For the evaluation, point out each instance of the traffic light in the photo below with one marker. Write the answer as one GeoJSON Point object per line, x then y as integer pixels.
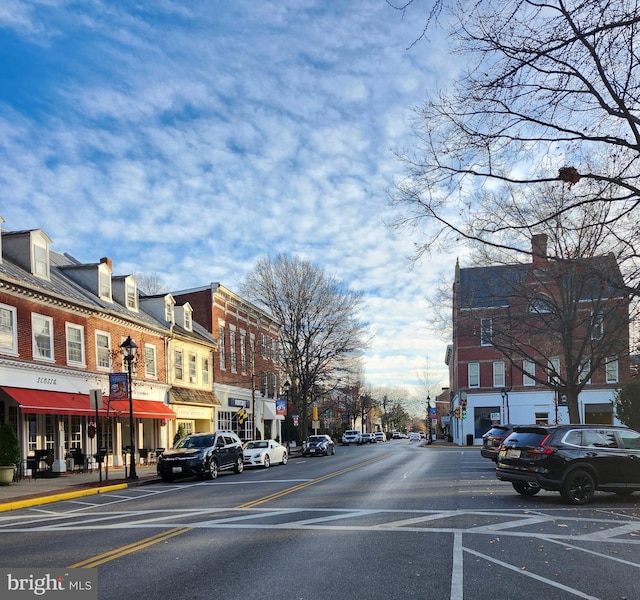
{"type": "Point", "coordinates": [457, 412]}
{"type": "Point", "coordinates": [463, 407]}
{"type": "Point", "coordinates": [315, 413]}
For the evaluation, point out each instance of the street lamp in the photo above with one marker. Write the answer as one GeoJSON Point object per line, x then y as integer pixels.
{"type": "Point", "coordinates": [129, 353]}
{"type": "Point", "coordinates": [287, 388]}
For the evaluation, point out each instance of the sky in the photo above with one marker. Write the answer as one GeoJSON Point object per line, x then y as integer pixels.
{"type": "Point", "coordinates": [189, 138]}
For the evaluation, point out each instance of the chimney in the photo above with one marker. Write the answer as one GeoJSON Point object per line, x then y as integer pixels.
{"type": "Point", "coordinates": [108, 262]}
{"type": "Point", "coordinates": [539, 249]}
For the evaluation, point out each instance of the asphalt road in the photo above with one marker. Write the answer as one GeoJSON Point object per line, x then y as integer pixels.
{"type": "Point", "coordinates": [384, 521]}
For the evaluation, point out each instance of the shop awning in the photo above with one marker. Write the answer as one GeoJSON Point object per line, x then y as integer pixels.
{"type": "Point", "coordinates": [51, 403]}
{"type": "Point", "coordinates": [182, 395]}
{"type": "Point", "coordinates": [142, 409]}
{"type": "Point", "coordinates": [63, 403]}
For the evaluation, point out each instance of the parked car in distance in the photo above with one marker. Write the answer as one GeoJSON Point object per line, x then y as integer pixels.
{"type": "Point", "coordinates": [398, 436]}
{"type": "Point", "coordinates": [318, 445]}
{"type": "Point", "coordinates": [575, 460]}
{"type": "Point", "coordinates": [380, 436]}
{"type": "Point", "coordinates": [368, 438]}
{"type": "Point", "coordinates": [264, 453]}
{"type": "Point", "coordinates": [351, 436]}
{"type": "Point", "coordinates": [202, 455]}
{"type": "Point", "coordinates": [414, 436]}
{"type": "Point", "coordinates": [492, 440]}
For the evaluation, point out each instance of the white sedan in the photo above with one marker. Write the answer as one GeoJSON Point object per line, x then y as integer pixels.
{"type": "Point", "coordinates": [264, 453]}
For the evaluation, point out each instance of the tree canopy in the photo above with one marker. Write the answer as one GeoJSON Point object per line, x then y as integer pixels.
{"type": "Point", "coordinates": [321, 328]}
{"type": "Point", "coordinates": [548, 96]}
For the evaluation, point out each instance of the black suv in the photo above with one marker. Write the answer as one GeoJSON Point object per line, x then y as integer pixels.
{"type": "Point", "coordinates": [575, 460]}
{"type": "Point", "coordinates": [492, 440]}
{"type": "Point", "coordinates": [202, 455]}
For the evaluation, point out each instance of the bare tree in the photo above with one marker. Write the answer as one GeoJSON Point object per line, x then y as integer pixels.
{"type": "Point", "coordinates": [150, 283]}
{"type": "Point", "coordinates": [549, 95]}
{"type": "Point", "coordinates": [321, 331]}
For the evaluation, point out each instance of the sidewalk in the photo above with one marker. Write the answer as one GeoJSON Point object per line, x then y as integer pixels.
{"type": "Point", "coordinates": [33, 492]}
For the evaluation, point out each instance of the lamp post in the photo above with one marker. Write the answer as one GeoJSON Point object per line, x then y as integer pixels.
{"type": "Point", "coordinates": [428, 419]}
{"type": "Point", "coordinates": [287, 388]}
{"type": "Point", "coordinates": [129, 353]}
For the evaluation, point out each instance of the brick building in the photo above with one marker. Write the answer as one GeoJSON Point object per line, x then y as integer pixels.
{"type": "Point", "coordinates": [528, 336]}
{"type": "Point", "coordinates": [246, 364]}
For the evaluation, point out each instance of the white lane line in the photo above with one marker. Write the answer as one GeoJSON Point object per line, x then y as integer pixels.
{"type": "Point", "coordinates": [457, 572]}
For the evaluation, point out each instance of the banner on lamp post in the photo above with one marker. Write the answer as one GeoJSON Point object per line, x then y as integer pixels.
{"type": "Point", "coordinates": [118, 386]}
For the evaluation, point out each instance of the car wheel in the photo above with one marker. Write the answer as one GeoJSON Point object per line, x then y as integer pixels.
{"type": "Point", "coordinates": [525, 489]}
{"type": "Point", "coordinates": [578, 487]}
{"type": "Point", "coordinates": [212, 471]}
{"type": "Point", "coordinates": [266, 462]}
{"type": "Point", "coordinates": [285, 458]}
{"type": "Point", "coordinates": [239, 465]}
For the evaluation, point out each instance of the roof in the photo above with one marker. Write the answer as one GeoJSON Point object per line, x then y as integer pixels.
{"type": "Point", "coordinates": [493, 286]}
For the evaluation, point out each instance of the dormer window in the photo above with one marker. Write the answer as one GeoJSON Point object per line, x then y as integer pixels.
{"type": "Point", "coordinates": [168, 311]}
{"type": "Point", "coordinates": [131, 291]}
{"type": "Point", "coordinates": [104, 282]}
{"type": "Point", "coordinates": [40, 254]}
{"type": "Point", "coordinates": [188, 322]}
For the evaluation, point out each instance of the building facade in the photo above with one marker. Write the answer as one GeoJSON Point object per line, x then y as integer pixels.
{"type": "Point", "coordinates": [246, 363]}
{"type": "Point", "coordinates": [526, 336]}
{"type": "Point", "coordinates": [61, 326]}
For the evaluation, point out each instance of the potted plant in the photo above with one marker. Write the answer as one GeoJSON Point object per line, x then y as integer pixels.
{"type": "Point", "coordinates": [9, 453]}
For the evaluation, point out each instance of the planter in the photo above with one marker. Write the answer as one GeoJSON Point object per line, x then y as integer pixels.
{"type": "Point", "coordinates": [6, 474]}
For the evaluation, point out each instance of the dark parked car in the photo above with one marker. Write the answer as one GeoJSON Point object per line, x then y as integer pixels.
{"type": "Point", "coordinates": [492, 440]}
{"type": "Point", "coordinates": [575, 460]}
{"type": "Point", "coordinates": [202, 455]}
{"type": "Point", "coordinates": [318, 445]}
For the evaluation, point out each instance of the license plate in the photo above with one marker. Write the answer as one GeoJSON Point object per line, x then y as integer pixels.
{"type": "Point", "coordinates": [176, 469]}
{"type": "Point", "coordinates": [312, 450]}
{"type": "Point", "coordinates": [514, 453]}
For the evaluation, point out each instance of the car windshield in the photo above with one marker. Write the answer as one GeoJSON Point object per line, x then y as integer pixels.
{"type": "Point", "coordinates": [195, 442]}
{"type": "Point", "coordinates": [256, 445]}
{"type": "Point", "coordinates": [317, 438]}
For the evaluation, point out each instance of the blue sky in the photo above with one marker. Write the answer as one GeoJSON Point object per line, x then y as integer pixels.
{"type": "Point", "coordinates": [191, 137]}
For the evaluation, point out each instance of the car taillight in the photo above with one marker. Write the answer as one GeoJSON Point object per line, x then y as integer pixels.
{"type": "Point", "coordinates": [543, 448]}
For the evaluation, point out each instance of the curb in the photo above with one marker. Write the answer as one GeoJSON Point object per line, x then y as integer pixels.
{"type": "Point", "coordinates": [58, 496]}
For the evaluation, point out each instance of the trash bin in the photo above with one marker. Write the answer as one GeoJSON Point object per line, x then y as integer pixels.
{"type": "Point", "coordinates": [469, 439]}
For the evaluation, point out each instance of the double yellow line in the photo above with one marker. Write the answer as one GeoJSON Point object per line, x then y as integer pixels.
{"type": "Point", "coordinates": [101, 559]}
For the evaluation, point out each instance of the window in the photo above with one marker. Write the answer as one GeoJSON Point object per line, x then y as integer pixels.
{"type": "Point", "coordinates": [274, 350]}
{"type": "Point", "coordinates": [75, 344]}
{"type": "Point", "coordinates": [8, 329]}
{"type": "Point", "coordinates": [474, 375]}
{"type": "Point", "coordinates": [486, 332]}
{"type": "Point", "coordinates": [177, 364]}
{"type": "Point", "coordinates": [612, 370]}
{"type": "Point", "coordinates": [42, 328]}
{"type": "Point", "coordinates": [193, 369]}
{"type": "Point", "coordinates": [265, 346]}
{"type": "Point", "coordinates": [498, 374]}
{"type": "Point", "coordinates": [103, 352]}
{"type": "Point", "coordinates": [41, 261]}
{"type": "Point", "coordinates": [132, 295]}
{"type": "Point", "coordinates": [243, 352]}
{"type": "Point", "coordinates": [553, 369]}
{"type": "Point", "coordinates": [542, 418]}
{"type": "Point", "coordinates": [528, 371]}
{"type": "Point", "coordinates": [583, 372]}
{"type": "Point", "coordinates": [150, 362]}
{"type": "Point", "coordinates": [188, 320]}
{"type": "Point", "coordinates": [205, 371]}
{"type": "Point", "coordinates": [540, 305]}
{"type": "Point", "coordinates": [232, 350]}
{"type": "Point", "coordinates": [597, 325]}
{"type": "Point", "coordinates": [168, 311]}
{"type": "Point", "coordinates": [104, 283]}
{"type": "Point", "coordinates": [221, 347]}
